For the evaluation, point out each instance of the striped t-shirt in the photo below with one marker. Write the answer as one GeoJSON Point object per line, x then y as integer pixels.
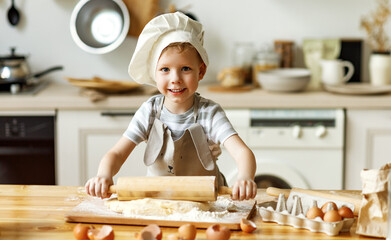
{"type": "Point", "coordinates": [211, 117]}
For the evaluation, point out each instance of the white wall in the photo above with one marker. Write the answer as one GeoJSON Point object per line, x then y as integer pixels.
{"type": "Point", "coordinates": [44, 34]}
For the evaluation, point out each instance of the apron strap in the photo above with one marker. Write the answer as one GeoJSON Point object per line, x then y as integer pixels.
{"type": "Point", "coordinates": [160, 108]}
{"type": "Point", "coordinates": [195, 107]}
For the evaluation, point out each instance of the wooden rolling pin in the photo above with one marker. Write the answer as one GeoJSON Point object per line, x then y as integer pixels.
{"type": "Point", "coordinates": [190, 188]}
{"type": "Point", "coordinates": [351, 196]}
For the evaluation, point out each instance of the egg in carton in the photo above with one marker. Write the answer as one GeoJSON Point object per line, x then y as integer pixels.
{"type": "Point", "coordinates": [291, 212]}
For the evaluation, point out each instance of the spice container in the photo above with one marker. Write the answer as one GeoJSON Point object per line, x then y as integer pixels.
{"type": "Point", "coordinates": [264, 60]}
{"type": "Point", "coordinates": [285, 49]}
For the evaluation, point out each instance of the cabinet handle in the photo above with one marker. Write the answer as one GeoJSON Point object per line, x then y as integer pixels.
{"type": "Point", "coordinates": [117, 114]}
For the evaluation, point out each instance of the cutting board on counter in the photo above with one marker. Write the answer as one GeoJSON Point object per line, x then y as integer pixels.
{"type": "Point", "coordinates": [93, 210]}
{"type": "Point", "coordinates": [141, 12]}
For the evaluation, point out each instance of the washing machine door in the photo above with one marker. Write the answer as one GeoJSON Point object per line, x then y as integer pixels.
{"type": "Point", "coordinates": [274, 175]}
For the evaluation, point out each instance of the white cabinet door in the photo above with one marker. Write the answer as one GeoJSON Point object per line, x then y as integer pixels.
{"type": "Point", "coordinates": [368, 143]}
{"type": "Point", "coordinates": [83, 137]}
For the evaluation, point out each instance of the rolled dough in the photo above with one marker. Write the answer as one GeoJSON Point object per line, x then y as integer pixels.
{"type": "Point", "coordinates": [154, 207]}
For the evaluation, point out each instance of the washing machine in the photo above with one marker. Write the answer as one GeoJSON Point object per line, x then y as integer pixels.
{"type": "Point", "coordinates": [301, 148]}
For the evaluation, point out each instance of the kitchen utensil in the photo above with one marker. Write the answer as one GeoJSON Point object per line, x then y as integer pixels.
{"type": "Point", "coordinates": [193, 188]}
{"type": "Point", "coordinates": [141, 12]}
{"type": "Point", "coordinates": [357, 89]}
{"type": "Point", "coordinates": [93, 210]}
{"type": "Point", "coordinates": [14, 69]}
{"type": "Point", "coordinates": [284, 79]}
{"type": "Point", "coordinates": [100, 84]}
{"type": "Point", "coordinates": [13, 14]}
{"type": "Point", "coordinates": [333, 71]}
{"type": "Point", "coordinates": [221, 89]}
{"type": "Point", "coordinates": [99, 26]}
{"type": "Point", "coordinates": [353, 197]}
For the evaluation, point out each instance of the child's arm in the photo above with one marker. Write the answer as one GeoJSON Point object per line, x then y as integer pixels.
{"type": "Point", "coordinates": [109, 166]}
{"type": "Point", "coordinates": [244, 187]}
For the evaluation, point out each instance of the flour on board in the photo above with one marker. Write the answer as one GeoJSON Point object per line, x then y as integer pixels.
{"type": "Point", "coordinates": [222, 209]}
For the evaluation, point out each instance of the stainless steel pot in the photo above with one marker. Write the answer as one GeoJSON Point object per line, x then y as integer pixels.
{"type": "Point", "coordinates": [15, 69]}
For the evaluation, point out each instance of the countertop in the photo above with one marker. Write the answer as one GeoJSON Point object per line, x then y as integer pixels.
{"type": "Point", "coordinates": [37, 212]}
{"type": "Point", "coordinates": [61, 96]}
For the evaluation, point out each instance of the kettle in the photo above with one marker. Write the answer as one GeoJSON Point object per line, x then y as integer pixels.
{"type": "Point", "coordinates": [15, 69]}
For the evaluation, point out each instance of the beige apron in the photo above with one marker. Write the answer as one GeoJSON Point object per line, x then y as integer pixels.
{"type": "Point", "coordinates": [187, 156]}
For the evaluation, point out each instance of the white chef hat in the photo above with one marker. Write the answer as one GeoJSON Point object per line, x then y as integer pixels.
{"type": "Point", "coordinates": [157, 35]}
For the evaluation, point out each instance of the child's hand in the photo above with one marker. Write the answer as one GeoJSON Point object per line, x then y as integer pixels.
{"type": "Point", "coordinates": [244, 189]}
{"type": "Point", "coordinates": [99, 187]}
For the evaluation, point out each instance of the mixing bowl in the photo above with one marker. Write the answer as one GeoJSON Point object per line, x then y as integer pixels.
{"type": "Point", "coordinates": [284, 79]}
{"type": "Point", "coordinates": [99, 26]}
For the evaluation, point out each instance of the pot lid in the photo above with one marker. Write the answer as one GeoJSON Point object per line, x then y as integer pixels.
{"type": "Point", "coordinates": [13, 56]}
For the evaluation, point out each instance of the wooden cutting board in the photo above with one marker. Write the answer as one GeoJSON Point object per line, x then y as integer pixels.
{"type": "Point", "coordinates": [221, 89]}
{"type": "Point", "coordinates": [141, 12]}
{"type": "Point", "coordinates": [93, 210]}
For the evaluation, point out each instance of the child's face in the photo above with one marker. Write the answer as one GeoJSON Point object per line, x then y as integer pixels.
{"type": "Point", "coordinates": [177, 75]}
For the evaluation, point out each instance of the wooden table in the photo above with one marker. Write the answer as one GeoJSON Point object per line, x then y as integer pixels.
{"type": "Point", "coordinates": [37, 212]}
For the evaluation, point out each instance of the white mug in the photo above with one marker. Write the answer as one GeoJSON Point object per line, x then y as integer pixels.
{"type": "Point", "coordinates": [333, 71]}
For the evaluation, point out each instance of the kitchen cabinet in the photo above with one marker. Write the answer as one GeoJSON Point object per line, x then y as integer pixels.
{"type": "Point", "coordinates": [83, 137]}
{"type": "Point", "coordinates": [368, 138]}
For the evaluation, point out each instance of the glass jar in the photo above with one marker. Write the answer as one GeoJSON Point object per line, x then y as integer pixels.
{"type": "Point", "coordinates": [264, 60]}
{"type": "Point", "coordinates": [243, 55]}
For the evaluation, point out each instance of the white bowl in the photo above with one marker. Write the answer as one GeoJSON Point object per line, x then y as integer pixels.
{"type": "Point", "coordinates": [284, 79]}
{"type": "Point", "coordinates": [99, 26]}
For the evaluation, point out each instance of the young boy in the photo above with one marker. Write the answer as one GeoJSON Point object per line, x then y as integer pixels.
{"type": "Point", "coordinates": [180, 127]}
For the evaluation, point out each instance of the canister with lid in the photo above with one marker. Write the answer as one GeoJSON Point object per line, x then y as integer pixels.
{"type": "Point", "coordinates": [285, 49]}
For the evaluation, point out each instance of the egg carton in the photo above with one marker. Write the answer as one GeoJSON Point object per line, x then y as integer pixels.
{"type": "Point", "coordinates": [294, 216]}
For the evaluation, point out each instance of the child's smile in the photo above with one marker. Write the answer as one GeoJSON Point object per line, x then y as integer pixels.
{"type": "Point", "coordinates": [177, 76]}
{"type": "Point", "coordinates": [177, 91]}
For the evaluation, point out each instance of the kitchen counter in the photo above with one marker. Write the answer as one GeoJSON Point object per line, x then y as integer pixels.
{"type": "Point", "coordinates": [37, 212]}
{"type": "Point", "coordinates": [57, 96]}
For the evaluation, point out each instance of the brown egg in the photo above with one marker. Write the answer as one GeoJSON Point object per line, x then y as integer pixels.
{"type": "Point", "coordinates": [217, 232]}
{"type": "Point", "coordinates": [247, 226]}
{"type": "Point", "coordinates": [324, 207]}
{"type": "Point", "coordinates": [314, 212]}
{"type": "Point", "coordinates": [187, 232]}
{"type": "Point", "coordinates": [104, 233]}
{"type": "Point", "coordinates": [332, 216]}
{"type": "Point", "coordinates": [144, 235]}
{"type": "Point", "coordinates": [80, 231]}
{"type": "Point", "coordinates": [345, 212]}
{"type": "Point", "coordinates": [152, 231]}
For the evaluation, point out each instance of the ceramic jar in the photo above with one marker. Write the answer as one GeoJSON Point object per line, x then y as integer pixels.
{"type": "Point", "coordinates": [380, 69]}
